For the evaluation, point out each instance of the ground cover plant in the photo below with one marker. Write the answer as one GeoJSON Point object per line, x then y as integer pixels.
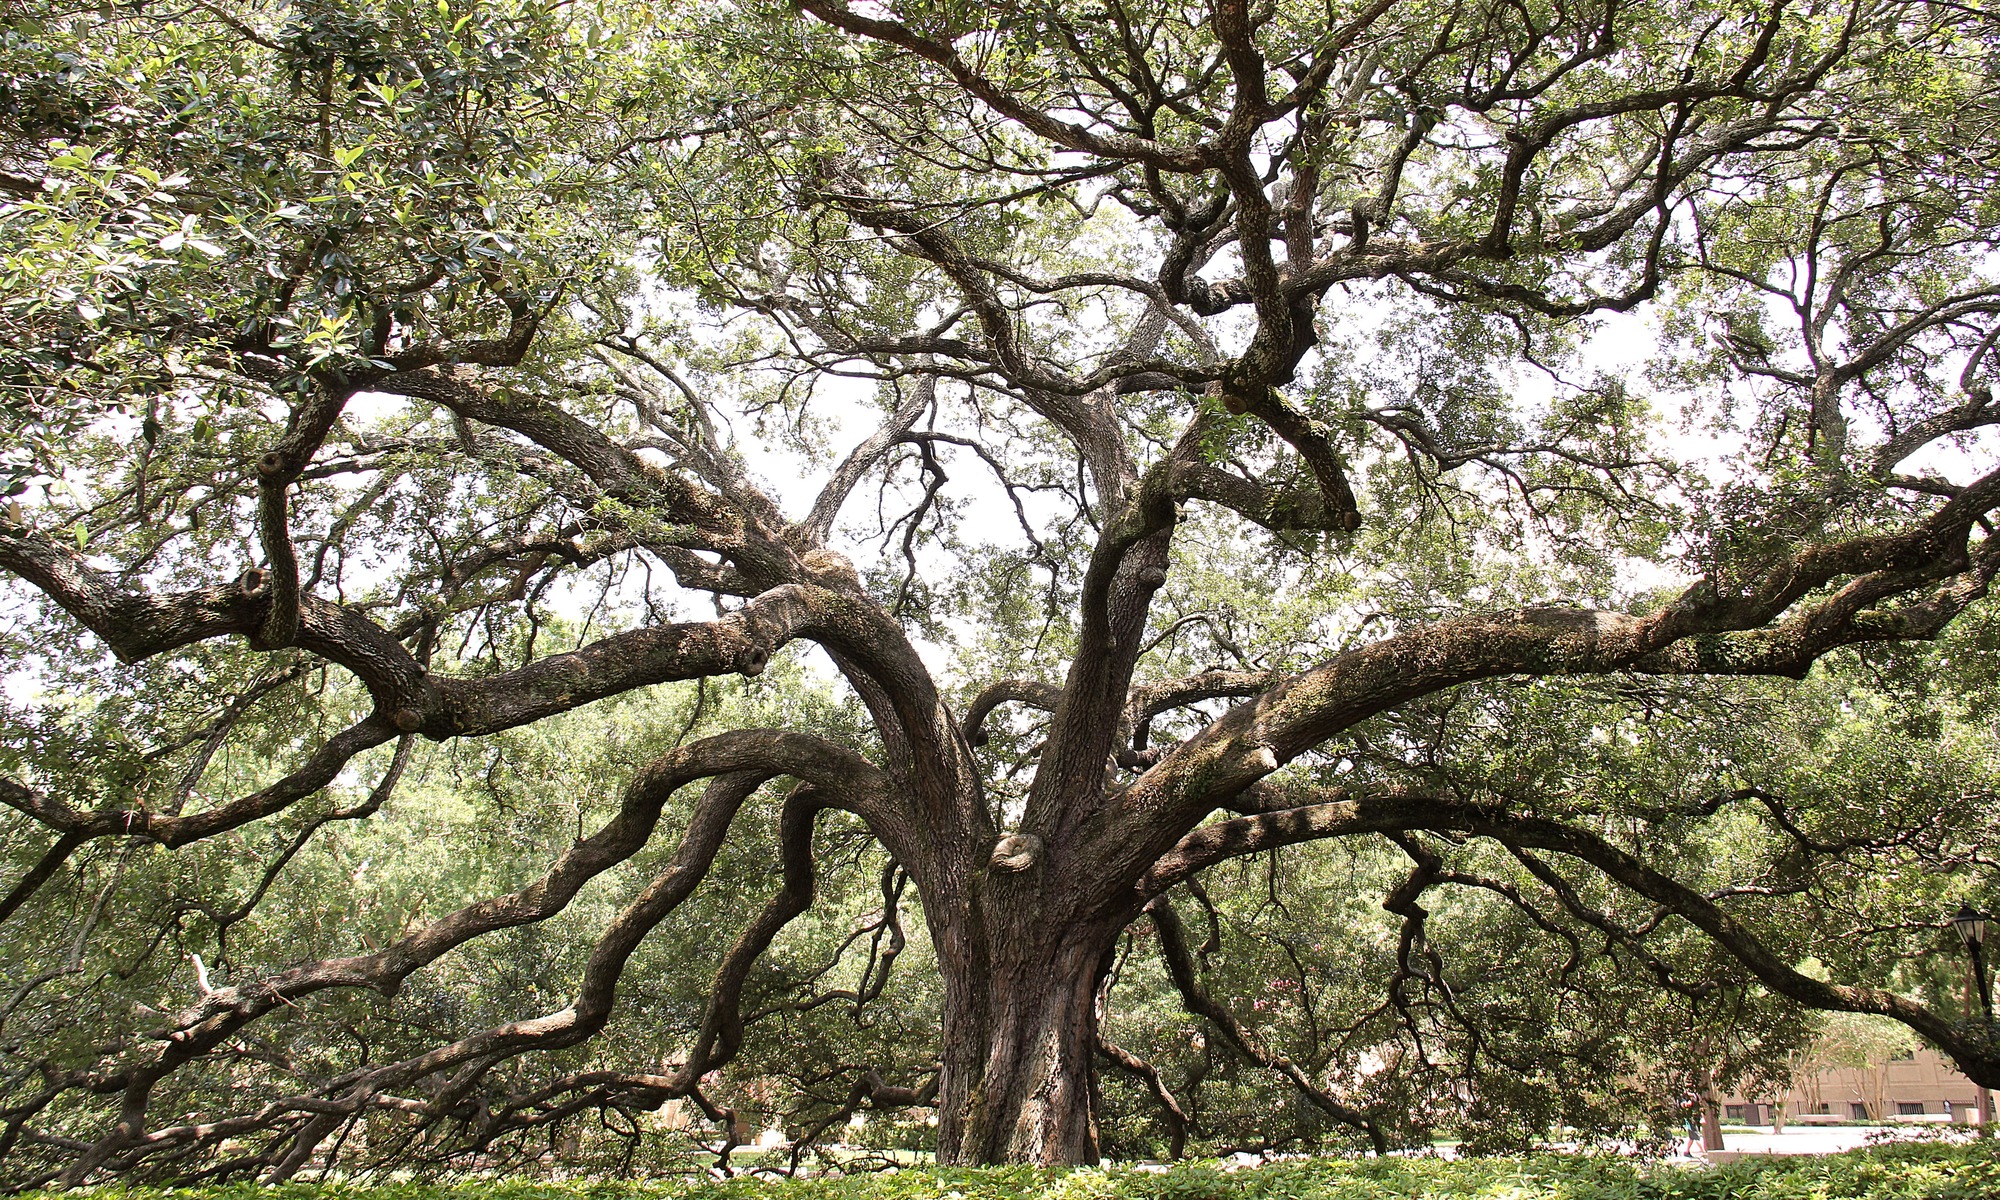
{"type": "Point", "coordinates": [1012, 580]}
{"type": "Point", "coordinates": [1933, 1171]}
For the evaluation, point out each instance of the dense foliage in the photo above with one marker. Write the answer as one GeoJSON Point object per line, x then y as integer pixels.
{"type": "Point", "coordinates": [582, 579]}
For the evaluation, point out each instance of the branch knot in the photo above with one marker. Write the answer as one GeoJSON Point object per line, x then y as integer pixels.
{"type": "Point", "coordinates": [1016, 852]}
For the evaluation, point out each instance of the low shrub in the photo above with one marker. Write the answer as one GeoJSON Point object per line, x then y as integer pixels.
{"type": "Point", "coordinates": [1910, 1171]}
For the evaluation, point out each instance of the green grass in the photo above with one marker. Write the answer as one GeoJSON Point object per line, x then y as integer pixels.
{"type": "Point", "coordinates": [1910, 1171]}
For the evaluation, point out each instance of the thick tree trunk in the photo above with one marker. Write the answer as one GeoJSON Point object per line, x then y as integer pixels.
{"type": "Point", "coordinates": [1019, 1037]}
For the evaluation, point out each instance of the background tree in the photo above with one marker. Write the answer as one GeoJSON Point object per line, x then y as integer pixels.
{"type": "Point", "coordinates": [392, 376]}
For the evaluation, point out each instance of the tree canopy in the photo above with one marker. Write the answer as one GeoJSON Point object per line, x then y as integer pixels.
{"type": "Point", "coordinates": [1114, 574]}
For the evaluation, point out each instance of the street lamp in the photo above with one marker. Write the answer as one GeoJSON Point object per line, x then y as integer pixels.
{"type": "Point", "coordinates": [1971, 926]}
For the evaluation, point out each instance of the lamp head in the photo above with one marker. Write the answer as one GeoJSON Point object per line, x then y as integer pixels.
{"type": "Point", "coordinates": [1971, 925]}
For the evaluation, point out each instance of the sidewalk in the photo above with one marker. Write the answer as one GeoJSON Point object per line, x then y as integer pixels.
{"type": "Point", "coordinates": [1809, 1139]}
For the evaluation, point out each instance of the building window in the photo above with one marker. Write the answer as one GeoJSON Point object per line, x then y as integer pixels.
{"type": "Point", "coordinates": [1903, 1056]}
{"type": "Point", "coordinates": [1857, 1110]}
{"type": "Point", "coordinates": [1909, 1108]}
{"type": "Point", "coordinates": [1732, 1112]}
{"type": "Point", "coordinates": [1824, 1109]}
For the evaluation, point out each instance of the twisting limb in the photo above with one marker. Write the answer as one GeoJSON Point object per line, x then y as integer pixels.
{"type": "Point", "coordinates": [1333, 813]}
{"type": "Point", "coordinates": [886, 941]}
{"type": "Point", "coordinates": [1001, 99]}
{"type": "Point", "coordinates": [1197, 1000]}
{"type": "Point", "coordinates": [723, 1117]}
{"type": "Point", "coordinates": [1150, 700]}
{"type": "Point", "coordinates": [277, 469]}
{"type": "Point", "coordinates": [1706, 630]}
{"type": "Point", "coordinates": [741, 760]}
{"type": "Point", "coordinates": [45, 867]}
{"type": "Point", "coordinates": [720, 1034]}
{"type": "Point", "coordinates": [741, 642]}
{"type": "Point", "coordinates": [1273, 508]}
{"type": "Point", "coordinates": [1146, 1073]}
{"type": "Point", "coordinates": [136, 625]}
{"type": "Point", "coordinates": [320, 768]}
{"type": "Point", "coordinates": [869, 1090]}
{"type": "Point", "coordinates": [1032, 692]}
{"type": "Point", "coordinates": [865, 642]}
{"type": "Point", "coordinates": [1413, 947]}
{"type": "Point", "coordinates": [818, 524]}
{"type": "Point", "coordinates": [1445, 814]}
{"type": "Point", "coordinates": [369, 805]}
{"type": "Point", "coordinates": [1631, 940]}
{"type": "Point", "coordinates": [1314, 444]}
{"type": "Point", "coordinates": [415, 700]}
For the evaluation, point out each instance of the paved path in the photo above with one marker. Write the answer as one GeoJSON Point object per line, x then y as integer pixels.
{"type": "Point", "coordinates": [1809, 1139]}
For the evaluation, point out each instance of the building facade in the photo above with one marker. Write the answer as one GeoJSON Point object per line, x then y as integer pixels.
{"type": "Point", "coordinates": [1916, 1086]}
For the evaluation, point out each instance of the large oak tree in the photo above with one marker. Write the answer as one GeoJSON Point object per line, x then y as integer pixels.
{"type": "Point", "coordinates": [441, 361]}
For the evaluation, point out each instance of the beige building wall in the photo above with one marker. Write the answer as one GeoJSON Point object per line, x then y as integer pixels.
{"type": "Point", "coordinates": [1920, 1087]}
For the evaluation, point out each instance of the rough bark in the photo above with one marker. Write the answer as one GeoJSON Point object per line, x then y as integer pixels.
{"type": "Point", "coordinates": [1018, 1048]}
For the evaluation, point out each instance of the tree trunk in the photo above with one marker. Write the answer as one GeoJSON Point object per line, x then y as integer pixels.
{"type": "Point", "coordinates": [1708, 1107]}
{"type": "Point", "coordinates": [1019, 1038]}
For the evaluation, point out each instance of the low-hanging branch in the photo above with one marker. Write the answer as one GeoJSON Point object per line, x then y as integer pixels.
{"type": "Point", "coordinates": [1196, 998]}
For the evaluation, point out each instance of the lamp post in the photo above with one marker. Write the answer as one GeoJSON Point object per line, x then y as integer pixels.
{"type": "Point", "coordinates": [1971, 926]}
